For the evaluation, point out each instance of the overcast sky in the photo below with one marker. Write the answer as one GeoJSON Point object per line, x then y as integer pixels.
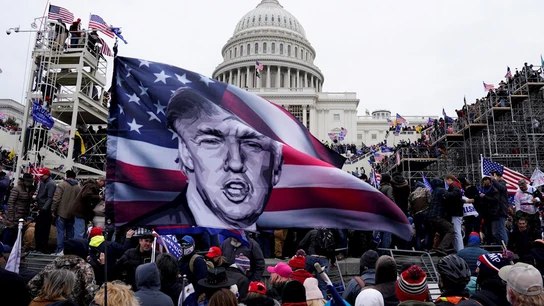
{"type": "Point", "coordinates": [411, 57]}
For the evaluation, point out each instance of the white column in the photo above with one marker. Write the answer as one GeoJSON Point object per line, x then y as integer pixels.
{"type": "Point", "coordinates": [304, 117]}
{"type": "Point", "coordinates": [297, 83]}
{"type": "Point", "coordinates": [278, 77]}
{"type": "Point", "coordinates": [230, 76]}
{"type": "Point", "coordinates": [305, 79]}
{"type": "Point", "coordinates": [313, 121]}
{"type": "Point", "coordinates": [288, 78]}
{"type": "Point", "coordinates": [267, 76]}
{"type": "Point", "coordinates": [238, 78]}
{"type": "Point", "coordinates": [248, 74]}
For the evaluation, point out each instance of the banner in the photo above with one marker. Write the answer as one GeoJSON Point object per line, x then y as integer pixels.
{"type": "Point", "coordinates": [41, 115]}
{"type": "Point", "coordinates": [186, 150]}
{"type": "Point", "coordinates": [469, 210]}
{"type": "Point", "coordinates": [537, 179]}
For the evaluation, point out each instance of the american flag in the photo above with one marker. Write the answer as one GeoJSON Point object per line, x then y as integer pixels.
{"type": "Point", "coordinates": [170, 242]}
{"type": "Point", "coordinates": [447, 118]}
{"type": "Point", "coordinates": [57, 12]}
{"type": "Point", "coordinates": [488, 87]}
{"type": "Point", "coordinates": [312, 190]}
{"type": "Point", "coordinates": [375, 178]}
{"type": "Point", "coordinates": [104, 49]}
{"type": "Point", "coordinates": [399, 120]}
{"type": "Point", "coordinates": [96, 22]}
{"type": "Point", "coordinates": [510, 176]}
{"type": "Point", "coordinates": [508, 73]}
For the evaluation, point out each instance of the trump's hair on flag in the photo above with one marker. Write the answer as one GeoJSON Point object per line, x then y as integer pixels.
{"type": "Point", "coordinates": [143, 175]}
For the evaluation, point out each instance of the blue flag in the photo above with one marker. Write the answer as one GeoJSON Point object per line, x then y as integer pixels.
{"type": "Point", "coordinates": [41, 115]}
{"type": "Point", "coordinates": [426, 182]}
{"type": "Point", "coordinates": [117, 32]}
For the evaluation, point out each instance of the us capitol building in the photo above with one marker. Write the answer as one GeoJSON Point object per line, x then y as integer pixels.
{"type": "Point", "coordinates": [272, 36]}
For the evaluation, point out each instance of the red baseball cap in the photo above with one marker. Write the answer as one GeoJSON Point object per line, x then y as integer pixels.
{"type": "Point", "coordinates": [257, 287]}
{"type": "Point", "coordinates": [214, 252]}
{"type": "Point", "coordinates": [44, 171]}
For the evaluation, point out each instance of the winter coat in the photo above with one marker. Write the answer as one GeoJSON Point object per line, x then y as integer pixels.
{"type": "Point", "coordinates": [491, 203]}
{"type": "Point", "coordinates": [470, 254]}
{"type": "Point", "coordinates": [504, 204]}
{"type": "Point", "coordinates": [437, 209]}
{"type": "Point", "coordinates": [353, 288]}
{"type": "Point", "coordinates": [13, 289]}
{"type": "Point", "coordinates": [388, 292]}
{"type": "Point", "coordinates": [86, 200]}
{"type": "Point", "coordinates": [19, 203]}
{"type": "Point", "coordinates": [386, 189]}
{"type": "Point", "coordinates": [85, 285]}
{"type": "Point", "coordinates": [492, 293]}
{"type": "Point", "coordinates": [401, 192]}
{"type": "Point", "coordinates": [4, 186]}
{"type": "Point", "coordinates": [242, 282]}
{"type": "Point", "coordinates": [453, 202]}
{"type": "Point", "coordinates": [419, 200]}
{"type": "Point", "coordinates": [64, 198]}
{"type": "Point", "coordinates": [198, 271]}
{"type": "Point", "coordinates": [46, 190]}
{"type": "Point", "coordinates": [128, 263]}
{"type": "Point", "coordinates": [252, 251]}
{"type": "Point", "coordinates": [148, 282]}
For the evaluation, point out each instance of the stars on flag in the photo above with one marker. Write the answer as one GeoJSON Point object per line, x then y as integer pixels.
{"type": "Point", "coordinates": [143, 90]}
{"type": "Point", "coordinates": [206, 80]}
{"type": "Point", "coordinates": [183, 79]}
{"type": "Point", "coordinates": [161, 77]}
{"type": "Point", "coordinates": [144, 63]}
{"type": "Point", "coordinates": [133, 98]}
{"type": "Point", "coordinates": [160, 107]}
{"type": "Point", "coordinates": [134, 126]}
{"type": "Point", "coordinates": [152, 117]}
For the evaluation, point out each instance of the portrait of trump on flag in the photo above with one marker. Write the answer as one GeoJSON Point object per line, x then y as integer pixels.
{"type": "Point", "coordinates": [186, 150]}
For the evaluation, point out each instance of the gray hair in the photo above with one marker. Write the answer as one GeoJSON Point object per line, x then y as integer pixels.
{"type": "Point", "coordinates": [58, 284]}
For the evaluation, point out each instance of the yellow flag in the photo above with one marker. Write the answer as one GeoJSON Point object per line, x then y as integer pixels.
{"type": "Point", "coordinates": [11, 154]}
{"type": "Point", "coordinates": [82, 143]}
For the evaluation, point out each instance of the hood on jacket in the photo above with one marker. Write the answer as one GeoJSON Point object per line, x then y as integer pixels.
{"type": "Point", "coordinates": [72, 181]}
{"type": "Point", "coordinates": [77, 247]}
{"type": "Point", "coordinates": [148, 277]}
{"type": "Point", "coordinates": [399, 180]}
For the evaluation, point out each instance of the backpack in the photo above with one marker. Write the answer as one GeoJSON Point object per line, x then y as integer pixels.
{"type": "Point", "coordinates": [325, 240]}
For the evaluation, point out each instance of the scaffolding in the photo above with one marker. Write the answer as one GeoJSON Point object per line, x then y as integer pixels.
{"type": "Point", "coordinates": [505, 127]}
{"type": "Point", "coordinates": [67, 79]}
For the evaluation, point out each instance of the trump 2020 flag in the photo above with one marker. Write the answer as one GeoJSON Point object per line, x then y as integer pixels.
{"type": "Point", "coordinates": [186, 150]}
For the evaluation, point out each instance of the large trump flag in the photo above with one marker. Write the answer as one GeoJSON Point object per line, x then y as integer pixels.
{"type": "Point", "coordinates": [143, 170]}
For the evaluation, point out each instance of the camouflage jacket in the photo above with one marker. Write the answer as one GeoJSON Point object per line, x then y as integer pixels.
{"type": "Point", "coordinates": [85, 286]}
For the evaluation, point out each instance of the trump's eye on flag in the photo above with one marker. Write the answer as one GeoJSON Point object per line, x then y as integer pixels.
{"type": "Point", "coordinates": [143, 168]}
{"type": "Point", "coordinates": [511, 177]}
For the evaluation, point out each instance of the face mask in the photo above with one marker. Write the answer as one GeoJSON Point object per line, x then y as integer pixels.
{"type": "Point", "coordinates": [235, 243]}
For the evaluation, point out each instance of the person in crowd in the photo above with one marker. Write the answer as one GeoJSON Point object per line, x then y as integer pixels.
{"type": "Point", "coordinates": [537, 254]}
{"type": "Point", "coordinates": [298, 265]}
{"type": "Point", "coordinates": [171, 284]}
{"type": "Point", "coordinates": [238, 271]}
{"type": "Point", "coordinates": [19, 202]}
{"type": "Point", "coordinates": [133, 257]}
{"type": "Point", "coordinates": [293, 294]}
{"type": "Point", "coordinates": [215, 257]}
{"type": "Point", "coordinates": [418, 204]}
{"type": "Point", "coordinates": [523, 285]}
{"type": "Point", "coordinates": [98, 255]}
{"type": "Point", "coordinates": [118, 294]}
{"type": "Point", "coordinates": [148, 283]}
{"type": "Point", "coordinates": [520, 241]}
{"type": "Point", "coordinates": [257, 295]}
{"type": "Point", "coordinates": [385, 186]}
{"type": "Point", "coordinates": [527, 200]}
{"type": "Point", "coordinates": [230, 182]}
{"type": "Point", "coordinates": [279, 276]}
{"type": "Point", "coordinates": [367, 270]}
{"type": "Point", "coordinates": [44, 200]}
{"type": "Point", "coordinates": [454, 203]}
{"type": "Point", "coordinates": [319, 244]}
{"type": "Point", "coordinates": [454, 275]}
{"type": "Point", "coordinates": [56, 290]}
{"type": "Point", "coordinates": [86, 200]}
{"type": "Point", "coordinates": [215, 280]}
{"type": "Point", "coordinates": [13, 289]}
{"type": "Point", "coordinates": [75, 252]}
{"type": "Point", "coordinates": [223, 297]}
{"type": "Point", "coordinates": [492, 291]}
{"type": "Point", "coordinates": [314, 296]}
{"type": "Point", "coordinates": [232, 248]}
{"type": "Point", "coordinates": [192, 264]}
{"type": "Point", "coordinates": [75, 33]}
{"type": "Point", "coordinates": [438, 217]}
{"type": "Point", "coordinates": [64, 197]}
{"type": "Point", "coordinates": [369, 297]}
{"type": "Point", "coordinates": [498, 221]}
{"type": "Point", "coordinates": [471, 223]}
{"type": "Point", "coordinates": [472, 252]}
{"type": "Point", "coordinates": [4, 186]}
{"type": "Point", "coordinates": [401, 191]}
{"type": "Point", "coordinates": [411, 287]}
{"type": "Point", "coordinates": [386, 276]}
{"type": "Point", "coordinates": [279, 240]}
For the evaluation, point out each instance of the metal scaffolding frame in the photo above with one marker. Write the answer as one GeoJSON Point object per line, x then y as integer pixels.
{"type": "Point", "coordinates": [505, 126]}
{"type": "Point", "coordinates": [69, 81]}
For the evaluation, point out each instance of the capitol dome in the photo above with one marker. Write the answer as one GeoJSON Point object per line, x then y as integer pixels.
{"type": "Point", "coordinates": [271, 36]}
{"type": "Point", "coordinates": [269, 13]}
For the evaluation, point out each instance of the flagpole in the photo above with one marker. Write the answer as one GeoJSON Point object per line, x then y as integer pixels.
{"type": "Point", "coordinates": [14, 259]}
